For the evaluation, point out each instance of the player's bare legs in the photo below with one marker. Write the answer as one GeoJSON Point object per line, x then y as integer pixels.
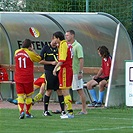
{"type": "Point", "coordinates": [83, 100]}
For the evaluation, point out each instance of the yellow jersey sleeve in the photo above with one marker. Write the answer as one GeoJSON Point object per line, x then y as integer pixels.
{"type": "Point", "coordinates": [33, 56]}
{"type": "Point", "coordinates": [62, 51]}
{"type": "Point", "coordinates": [42, 76]}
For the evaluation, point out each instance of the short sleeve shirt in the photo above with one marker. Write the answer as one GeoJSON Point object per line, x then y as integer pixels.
{"type": "Point", "coordinates": [49, 53]}
{"type": "Point", "coordinates": [77, 53]}
{"type": "Point", "coordinates": [106, 65]}
{"type": "Point", "coordinates": [24, 59]}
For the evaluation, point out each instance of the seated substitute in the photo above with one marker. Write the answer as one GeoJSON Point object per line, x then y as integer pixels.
{"type": "Point", "coordinates": [101, 78]}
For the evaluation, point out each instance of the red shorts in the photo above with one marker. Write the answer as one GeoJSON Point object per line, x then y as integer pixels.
{"type": "Point", "coordinates": [65, 78]}
{"type": "Point", "coordinates": [24, 88]}
{"type": "Point", "coordinates": [39, 81]}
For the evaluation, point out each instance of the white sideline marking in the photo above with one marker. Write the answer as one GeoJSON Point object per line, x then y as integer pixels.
{"type": "Point", "coordinates": [121, 118]}
{"type": "Point", "coordinates": [96, 129]}
{"type": "Point", "coordinates": [116, 118]}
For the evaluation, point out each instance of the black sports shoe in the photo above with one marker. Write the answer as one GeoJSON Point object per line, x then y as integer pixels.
{"type": "Point", "coordinates": [92, 104]}
{"type": "Point", "coordinates": [14, 101]}
{"type": "Point", "coordinates": [63, 112]}
{"type": "Point", "coordinates": [99, 104]}
{"type": "Point", "coordinates": [29, 116]}
{"type": "Point", "coordinates": [21, 115]}
{"type": "Point", "coordinates": [46, 113]}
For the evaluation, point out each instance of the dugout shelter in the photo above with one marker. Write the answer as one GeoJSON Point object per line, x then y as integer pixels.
{"type": "Point", "coordinates": [92, 30]}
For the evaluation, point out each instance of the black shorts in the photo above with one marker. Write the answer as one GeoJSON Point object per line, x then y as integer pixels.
{"type": "Point", "coordinates": [52, 81]}
{"type": "Point", "coordinates": [100, 79]}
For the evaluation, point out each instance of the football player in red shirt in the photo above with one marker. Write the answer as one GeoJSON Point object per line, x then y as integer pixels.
{"type": "Point", "coordinates": [101, 78]}
{"type": "Point", "coordinates": [66, 73]}
{"type": "Point", "coordinates": [24, 77]}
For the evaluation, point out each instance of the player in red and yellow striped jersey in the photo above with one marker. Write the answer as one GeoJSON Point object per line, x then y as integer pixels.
{"type": "Point", "coordinates": [65, 74]}
{"type": "Point", "coordinates": [24, 77]}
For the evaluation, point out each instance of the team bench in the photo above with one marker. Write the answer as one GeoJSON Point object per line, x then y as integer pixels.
{"type": "Point", "coordinates": [40, 69]}
{"type": "Point", "coordinates": [86, 70]}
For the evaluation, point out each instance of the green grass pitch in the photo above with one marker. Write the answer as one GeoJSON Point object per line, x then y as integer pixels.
{"type": "Point", "coordinates": [105, 120]}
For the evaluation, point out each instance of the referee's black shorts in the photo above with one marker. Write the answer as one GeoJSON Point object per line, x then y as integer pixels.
{"type": "Point", "coordinates": [52, 81]}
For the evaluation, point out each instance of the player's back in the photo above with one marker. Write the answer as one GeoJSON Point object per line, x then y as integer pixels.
{"type": "Point", "coordinates": [23, 66]}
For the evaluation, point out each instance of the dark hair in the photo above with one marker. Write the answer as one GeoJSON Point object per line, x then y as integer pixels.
{"type": "Point", "coordinates": [26, 43]}
{"type": "Point", "coordinates": [71, 32]}
{"type": "Point", "coordinates": [103, 50]}
{"type": "Point", "coordinates": [59, 35]}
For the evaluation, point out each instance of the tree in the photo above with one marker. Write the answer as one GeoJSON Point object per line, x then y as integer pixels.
{"type": "Point", "coordinates": [12, 5]}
